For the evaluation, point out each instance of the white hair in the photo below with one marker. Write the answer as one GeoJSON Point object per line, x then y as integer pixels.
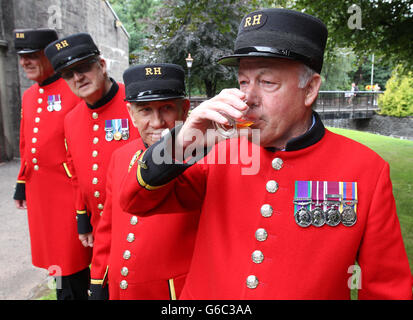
{"type": "Point", "coordinates": [305, 75]}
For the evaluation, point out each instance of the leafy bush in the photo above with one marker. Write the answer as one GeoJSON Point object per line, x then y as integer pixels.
{"type": "Point", "coordinates": [397, 100]}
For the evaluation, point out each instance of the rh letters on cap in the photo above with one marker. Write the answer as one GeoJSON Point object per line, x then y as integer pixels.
{"type": "Point", "coordinates": [61, 45]}
{"type": "Point", "coordinates": [19, 35]}
{"type": "Point", "coordinates": [153, 71]}
{"type": "Point", "coordinates": [255, 21]}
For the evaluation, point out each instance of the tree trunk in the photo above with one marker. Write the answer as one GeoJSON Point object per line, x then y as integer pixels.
{"type": "Point", "coordinates": [210, 88]}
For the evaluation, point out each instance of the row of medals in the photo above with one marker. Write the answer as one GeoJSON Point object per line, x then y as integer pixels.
{"type": "Point", "coordinates": [124, 135]}
{"type": "Point", "coordinates": [54, 107]}
{"type": "Point", "coordinates": [332, 216]}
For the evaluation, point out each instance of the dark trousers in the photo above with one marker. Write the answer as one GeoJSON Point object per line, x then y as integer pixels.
{"type": "Point", "coordinates": [74, 286]}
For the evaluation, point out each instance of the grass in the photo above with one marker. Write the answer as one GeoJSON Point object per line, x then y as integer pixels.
{"type": "Point", "coordinates": [50, 296]}
{"type": "Point", "coordinates": [399, 154]}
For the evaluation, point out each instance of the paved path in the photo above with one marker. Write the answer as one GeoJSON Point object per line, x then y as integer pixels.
{"type": "Point", "coordinates": [19, 280]}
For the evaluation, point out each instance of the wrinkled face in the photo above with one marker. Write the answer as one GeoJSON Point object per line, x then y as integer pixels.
{"type": "Point", "coordinates": [36, 66]}
{"type": "Point", "coordinates": [279, 108]}
{"type": "Point", "coordinates": [87, 79]}
{"type": "Point", "coordinates": [152, 117]}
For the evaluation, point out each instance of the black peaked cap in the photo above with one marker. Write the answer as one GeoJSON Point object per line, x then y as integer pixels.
{"type": "Point", "coordinates": [32, 40]}
{"type": "Point", "coordinates": [150, 82]}
{"type": "Point", "coordinates": [280, 33]}
{"type": "Point", "coordinates": [67, 51]}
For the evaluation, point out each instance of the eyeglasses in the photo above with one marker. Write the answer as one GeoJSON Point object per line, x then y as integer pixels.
{"type": "Point", "coordinates": [68, 74]}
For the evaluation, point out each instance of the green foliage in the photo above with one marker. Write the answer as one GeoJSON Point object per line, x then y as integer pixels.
{"type": "Point", "coordinates": [337, 65]}
{"type": "Point", "coordinates": [134, 15]}
{"type": "Point", "coordinates": [397, 100]}
{"type": "Point", "coordinates": [399, 154]}
{"type": "Point", "coordinates": [385, 27]}
{"type": "Point", "coordinates": [205, 28]}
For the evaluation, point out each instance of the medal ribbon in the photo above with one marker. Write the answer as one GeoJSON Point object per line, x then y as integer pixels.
{"type": "Point", "coordinates": [50, 100]}
{"type": "Point", "coordinates": [108, 125]}
{"type": "Point", "coordinates": [333, 188]}
{"type": "Point", "coordinates": [302, 191]}
{"type": "Point", "coordinates": [317, 192]}
{"type": "Point", "coordinates": [350, 194]}
{"type": "Point", "coordinates": [117, 124]}
{"type": "Point", "coordinates": [125, 124]}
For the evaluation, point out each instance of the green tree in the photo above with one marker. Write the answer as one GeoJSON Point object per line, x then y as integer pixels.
{"type": "Point", "coordinates": [385, 27]}
{"type": "Point", "coordinates": [134, 15]}
{"type": "Point", "coordinates": [397, 100]}
{"type": "Point", "coordinates": [205, 28]}
{"type": "Point", "coordinates": [336, 68]}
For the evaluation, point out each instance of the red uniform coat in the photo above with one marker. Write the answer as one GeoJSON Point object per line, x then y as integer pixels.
{"type": "Point", "coordinates": [293, 262]}
{"type": "Point", "coordinates": [89, 152]}
{"type": "Point", "coordinates": [149, 257]}
{"type": "Point", "coordinates": [50, 200]}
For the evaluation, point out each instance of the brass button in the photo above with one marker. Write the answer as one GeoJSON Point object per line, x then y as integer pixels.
{"type": "Point", "coordinates": [97, 194]}
{"type": "Point", "coordinates": [123, 285]}
{"type": "Point", "coordinates": [272, 186]}
{"type": "Point", "coordinates": [39, 110]}
{"type": "Point", "coordinates": [94, 154]}
{"type": "Point", "coordinates": [36, 167]}
{"type": "Point", "coordinates": [134, 220]}
{"type": "Point", "coordinates": [95, 180]}
{"type": "Point", "coordinates": [37, 120]}
{"type": "Point", "coordinates": [34, 160]}
{"type": "Point", "coordinates": [95, 127]}
{"type": "Point", "coordinates": [124, 271]}
{"type": "Point", "coordinates": [95, 140]}
{"type": "Point", "coordinates": [126, 255]}
{"type": "Point", "coordinates": [33, 150]}
{"type": "Point", "coordinates": [130, 237]}
{"type": "Point", "coordinates": [257, 256]}
{"type": "Point", "coordinates": [34, 140]}
{"type": "Point", "coordinates": [266, 210]}
{"type": "Point", "coordinates": [100, 206]}
{"type": "Point", "coordinates": [95, 115]}
{"type": "Point", "coordinates": [261, 234]}
{"type": "Point", "coordinates": [277, 163]}
{"type": "Point", "coordinates": [35, 130]}
{"type": "Point", "coordinates": [41, 90]}
{"type": "Point", "coordinates": [95, 167]}
{"type": "Point", "coordinates": [40, 100]}
{"type": "Point", "coordinates": [252, 282]}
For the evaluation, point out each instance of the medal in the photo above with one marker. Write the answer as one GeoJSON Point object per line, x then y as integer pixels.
{"type": "Point", "coordinates": [125, 129]}
{"type": "Point", "coordinates": [50, 103]}
{"type": "Point", "coordinates": [302, 202]}
{"type": "Point", "coordinates": [303, 217]}
{"type": "Point", "coordinates": [333, 217]}
{"type": "Point", "coordinates": [117, 124]}
{"type": "Point", "coordinates": [319, 218]}
{"type": "Point", "coordinates": [349, 216]}
{"type": "Point", "coordinates": [317, 192]}
{"type": "Point", "coordinates": [117, 136]}
{"type": "Point", "coordinates": [57, 105]}
{"type": "Point", "coordinates": [333, 201]}
{"type": "Point", "coordinates": [109, 130]}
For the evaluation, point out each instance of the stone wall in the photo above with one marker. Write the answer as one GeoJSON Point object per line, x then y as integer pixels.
{"type": "Point", "coordinates": [384, 125]}
{"type": "Point", "coordinates": [67, 17]}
